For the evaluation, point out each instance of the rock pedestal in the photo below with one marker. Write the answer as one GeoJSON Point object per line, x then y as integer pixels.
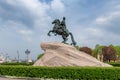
{"type": "Point", "coordinates": [59, 54]}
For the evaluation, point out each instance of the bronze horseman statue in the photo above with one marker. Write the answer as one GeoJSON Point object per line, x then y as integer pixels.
{"type": "Point", "coordinates": [60, 29]}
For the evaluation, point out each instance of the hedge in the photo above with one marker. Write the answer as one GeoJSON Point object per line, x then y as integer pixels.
{"type": "Point", "coordinates": [115, 64]}
{"type": "Point", "coordinates": [17, 63]}
{"type": "Point", "coordinates": [83, 73]}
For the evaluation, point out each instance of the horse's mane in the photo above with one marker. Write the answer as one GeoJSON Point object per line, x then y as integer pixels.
{"type": "Point", "coordinates": [58, 20]}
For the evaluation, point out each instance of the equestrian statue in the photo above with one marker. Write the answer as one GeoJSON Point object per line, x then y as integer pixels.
{"type": "Point", "coordinates": [60, 29]}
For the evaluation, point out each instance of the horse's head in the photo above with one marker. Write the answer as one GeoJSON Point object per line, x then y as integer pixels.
{"type": "Point", "coordinates": [56, 21]}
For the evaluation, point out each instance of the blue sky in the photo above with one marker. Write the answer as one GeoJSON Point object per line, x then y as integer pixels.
{"type": "Point", "coordinates": [24, 23]}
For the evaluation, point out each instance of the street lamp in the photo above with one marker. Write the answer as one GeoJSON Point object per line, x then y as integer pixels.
{"type": "Point", "coordinates": [18, 55]}
{"type": "Point", "coordinates": [27, 52]}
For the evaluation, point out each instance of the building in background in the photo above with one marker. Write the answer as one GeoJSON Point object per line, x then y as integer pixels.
{"type": "Point", "coordinates": [2, 58]}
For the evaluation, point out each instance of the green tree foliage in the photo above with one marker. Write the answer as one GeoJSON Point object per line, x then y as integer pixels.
{"type": "Point", "coordinates": [40, 55]}
{"type": "Point", "coordinates": [77, 47]}
{"type": "Point", "coordinates": [117, 48]}
{"type": "Point", "coordinates": [97, 50]}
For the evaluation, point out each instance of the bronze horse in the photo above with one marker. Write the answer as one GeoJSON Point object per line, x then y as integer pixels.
{"type": "Point", "coordinates": [58, 30]}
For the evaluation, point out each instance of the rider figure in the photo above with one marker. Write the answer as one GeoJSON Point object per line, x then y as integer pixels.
{"type": "Point", "coordinates": [63, 25]}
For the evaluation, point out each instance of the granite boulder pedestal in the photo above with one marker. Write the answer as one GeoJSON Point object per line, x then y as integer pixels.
{"type": "Point", "coordinates": [60, 54]}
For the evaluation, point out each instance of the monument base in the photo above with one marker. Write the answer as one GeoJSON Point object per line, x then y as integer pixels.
{"type": "Point", "coordinates": [60, 54]}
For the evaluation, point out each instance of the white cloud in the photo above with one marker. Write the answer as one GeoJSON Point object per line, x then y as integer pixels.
{"type": "Point", "coordinates": [34, 6]}
{"type": "Point", "coordinates": [118, 6]}
{"type": "Point", "coordinates": [108, 17]}
{"type": "Point", "coordinates": [109, 22]}
{"type": "Point", "coordinates": [94, 32]}
{"type": "Point", "coordinates": [57, 6]}
{"type": "Point", "coordinates": [26, 32]}
{"type": "Point", "coordinates": [102, 20]}
{"type": "Point", "coordinates": [23, 24]}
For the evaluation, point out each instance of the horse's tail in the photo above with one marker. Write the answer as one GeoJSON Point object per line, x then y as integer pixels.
{"type": "Point", "coordinates": [72, 38]}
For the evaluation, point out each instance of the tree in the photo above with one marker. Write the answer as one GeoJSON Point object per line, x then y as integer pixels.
{"type": "Point", "coordinates": [97, 50]}
{"type": "Point", "coordinates": [117, 48]}
{"type": "Point", "coordinates": [109, 53]}
{"type": "Point", "coordinates": [86, 50]}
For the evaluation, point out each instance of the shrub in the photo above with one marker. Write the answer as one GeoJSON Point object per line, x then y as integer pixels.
{"type": "Point", "coordinates": [82, 73]}
{"type": "Point", "coordinates": [86, 50]}
{"type": "Point", "coordinates": [115, 64]}
{"type": "Point", "coordinates": [40, 55]}
{"type": "Point", "coordinates": [17, 63]}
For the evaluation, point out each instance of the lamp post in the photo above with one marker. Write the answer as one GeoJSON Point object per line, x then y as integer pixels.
{"type": "Point", "coordinates": [6, 59]}
{"type": "Point", "coordinates": [18, 55]}
{"type": "Point", "coordinates": [27, 52]}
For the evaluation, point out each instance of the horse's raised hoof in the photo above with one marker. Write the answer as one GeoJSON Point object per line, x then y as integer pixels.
{"type": "Point", "coordinates": [48, 34]}
{"type": "Point", "coordinates": [73, 43]}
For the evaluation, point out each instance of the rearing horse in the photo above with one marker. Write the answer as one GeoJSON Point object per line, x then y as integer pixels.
{"type": "Point", "coordinates": [57, 30]}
